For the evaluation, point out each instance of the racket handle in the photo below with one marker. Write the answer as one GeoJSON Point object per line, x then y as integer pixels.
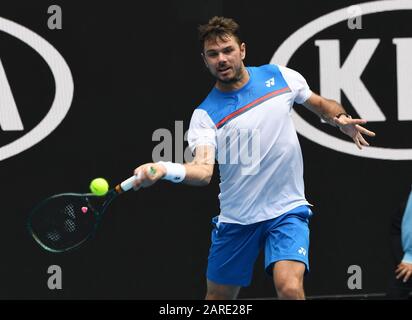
{"type": "Point", "coordinates": [126, 185]}
{"type": "Point", "coordinates": [129, 183]}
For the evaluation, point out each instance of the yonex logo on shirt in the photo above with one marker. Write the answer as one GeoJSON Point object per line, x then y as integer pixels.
{"type": "Point", "coordinates": [302, 251]}
{"type": "Point", "coordinates": [270, 82]}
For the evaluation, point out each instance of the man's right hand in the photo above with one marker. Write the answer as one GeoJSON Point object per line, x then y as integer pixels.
{"type": "Point", "coordinates": [148, 173]}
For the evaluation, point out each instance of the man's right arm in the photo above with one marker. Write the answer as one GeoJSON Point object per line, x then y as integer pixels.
{"type": "Point", "coordinates": [197, 173]}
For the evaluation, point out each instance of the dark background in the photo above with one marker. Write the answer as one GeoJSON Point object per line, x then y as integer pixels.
{"type": "Point", "coordinates": [136, 68]}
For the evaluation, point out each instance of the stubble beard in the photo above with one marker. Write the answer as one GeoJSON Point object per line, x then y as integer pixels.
{"type": "Point", "coordinates": [236, 78]}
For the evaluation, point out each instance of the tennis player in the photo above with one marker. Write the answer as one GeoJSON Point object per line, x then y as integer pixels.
{"type": "Point", "coordinates": [262, 199]}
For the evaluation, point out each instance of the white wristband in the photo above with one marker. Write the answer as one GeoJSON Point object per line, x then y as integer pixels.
{"type": "Point", "coordinates": [175, 172]}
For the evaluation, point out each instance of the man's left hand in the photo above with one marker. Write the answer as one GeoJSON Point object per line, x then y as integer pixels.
{"type": "Point", "coordinates": [404, 270]}
{"type": "Point", "coordinates": [353, 128]}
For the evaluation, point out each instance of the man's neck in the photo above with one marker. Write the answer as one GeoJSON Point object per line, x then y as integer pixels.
{"type": "Point", "coordinates": [227, 87]}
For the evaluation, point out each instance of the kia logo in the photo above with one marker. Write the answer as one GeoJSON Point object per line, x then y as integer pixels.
{"type": "Point", "coordinates": [9, 115]}
{"type": "Point", "coordinates": [346, 77]}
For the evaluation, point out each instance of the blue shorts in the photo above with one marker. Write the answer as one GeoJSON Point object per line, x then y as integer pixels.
{"type": "Point", "coordinates": [235, 247]}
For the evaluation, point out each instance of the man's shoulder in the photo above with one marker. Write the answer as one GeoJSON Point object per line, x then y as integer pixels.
{"type": "Point", "coordinates": [209, 104]}
{"type": "Point", "coordinates": [270, 74]}
{"type": "Point", "coordinates": [264, 67]}
{"type": "Point", "coordinates": [206, 109]}
{"type": "Point", "coordinates": [273, 68]}
{"type": "Point", "coordinates": [265, 70]}
{"type": "Point", "coordinates": [268, 66]}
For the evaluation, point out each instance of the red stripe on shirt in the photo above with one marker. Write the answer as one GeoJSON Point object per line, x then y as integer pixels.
{"type": "Point", "coordinates": [250, 105]}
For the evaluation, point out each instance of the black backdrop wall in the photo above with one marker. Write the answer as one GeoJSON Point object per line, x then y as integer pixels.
{"type": "Point", "coordinates": [137, 68]}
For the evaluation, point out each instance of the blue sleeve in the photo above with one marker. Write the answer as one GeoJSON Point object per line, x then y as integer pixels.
{"type": "Point", "coordinates": [407, 231]}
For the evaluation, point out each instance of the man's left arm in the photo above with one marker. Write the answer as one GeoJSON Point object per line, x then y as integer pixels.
{"type": "Point", "coordinates": [333, 113]}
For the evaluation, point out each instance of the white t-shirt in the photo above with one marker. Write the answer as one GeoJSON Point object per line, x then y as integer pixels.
{"type": "Point", "coordinates": [260, 160]}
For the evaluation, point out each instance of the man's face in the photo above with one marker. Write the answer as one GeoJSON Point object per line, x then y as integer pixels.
{"type": "Point", "coordinates": [224, 58]}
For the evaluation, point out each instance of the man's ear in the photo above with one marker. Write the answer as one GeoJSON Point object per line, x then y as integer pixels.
{"type": "Point", "coordinates": [243, 50]}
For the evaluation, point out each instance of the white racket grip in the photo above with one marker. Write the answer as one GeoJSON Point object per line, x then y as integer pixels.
{"type": "Point", "coordinates": [126, 185]}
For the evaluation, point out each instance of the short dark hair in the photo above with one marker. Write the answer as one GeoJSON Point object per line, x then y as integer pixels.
{"type": "Point", "coordinates": [219, 27]}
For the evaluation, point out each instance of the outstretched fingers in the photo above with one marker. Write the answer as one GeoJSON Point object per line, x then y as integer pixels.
{"type": "Point", "coordinates": [357, 142]}
{"type": "Point", "coordinates": [365, 131]}
{"type": "Point", "coordinates": [362, 140]}
{"type": "Point", "coordinates": [356, 121]}
{"type": "Point", "coordinates": [348, 121]}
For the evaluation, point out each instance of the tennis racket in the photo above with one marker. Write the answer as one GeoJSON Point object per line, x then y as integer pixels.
{"type": "Point", "coordinates": [65, 221]}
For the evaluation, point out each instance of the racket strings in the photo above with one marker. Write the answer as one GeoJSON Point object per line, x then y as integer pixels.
{"type": "Point", "coordinates": [69, 225]}
{"type": "Point", "coordinates": [53, 235]}
{"type": "Point", "coordinates": [62, 223]}
{"type": "Point", "coordinates": [69, 210]}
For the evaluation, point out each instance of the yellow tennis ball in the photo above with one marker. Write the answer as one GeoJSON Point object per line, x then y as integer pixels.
{"type": "Point", "coordinates": [99, 186]}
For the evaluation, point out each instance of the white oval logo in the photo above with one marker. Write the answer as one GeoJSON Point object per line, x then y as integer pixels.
{"type": "Point", "coordinates": [285, 52]}
{"type": "Point", "coordinates": [63, 84]}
